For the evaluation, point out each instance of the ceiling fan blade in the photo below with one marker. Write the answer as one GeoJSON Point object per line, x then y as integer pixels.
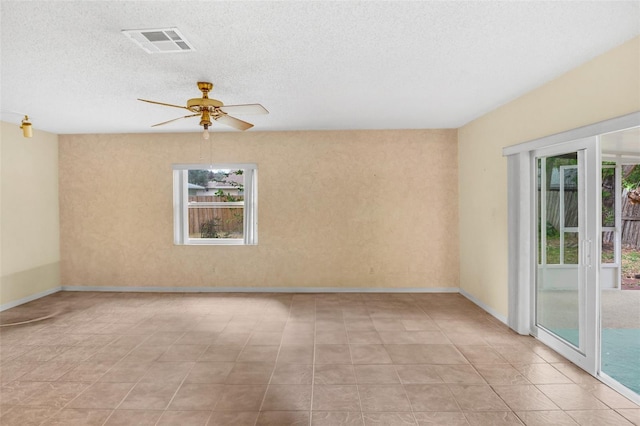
{"type": "Point", "coordinates": [233, 122]}
{"type": "Point", "coordinates": [175, 119]}
{"type": "Point", "coordinates": [247, 109]}
{"type": "Point", "coordinates": [162, 103]}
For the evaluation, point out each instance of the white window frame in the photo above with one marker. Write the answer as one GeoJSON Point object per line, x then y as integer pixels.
{"type": "Point", "coordinates": [181, 204]}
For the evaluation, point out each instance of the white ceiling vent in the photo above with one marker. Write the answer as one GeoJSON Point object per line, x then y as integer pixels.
{"type": "Point", "coordinates": [162, 40]}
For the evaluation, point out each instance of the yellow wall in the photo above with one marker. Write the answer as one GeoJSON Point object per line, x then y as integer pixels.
{"type": "Point", "coordinates": [605, 87]}
{"type": "Point", "coordinates": [336, 209]}
{"type": "Point", "coordinates": [29, 221]}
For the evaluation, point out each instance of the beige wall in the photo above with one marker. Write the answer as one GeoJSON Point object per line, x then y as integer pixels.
{"type": "Point", "coordinates": [29, 221]}
{"type": "Point", "coordinates": [605, 87]}
{"type": "Point", "coordinates": [336, 209]}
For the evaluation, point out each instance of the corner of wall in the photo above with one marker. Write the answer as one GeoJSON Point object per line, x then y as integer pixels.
{"type": "Point", "coordinates": [29, 216]}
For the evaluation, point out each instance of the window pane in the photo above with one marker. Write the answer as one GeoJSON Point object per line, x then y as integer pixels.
{"type": "Point", "coordinates": [571, 248]}
{"type": "Point", "coordinates": [216, 222]}
{"type": "Point", "coordinates": [608, 197]}
{"type": "Point", "coordinates": [608, 255]}
{"type": "Point", "coordinates": [219, 185]}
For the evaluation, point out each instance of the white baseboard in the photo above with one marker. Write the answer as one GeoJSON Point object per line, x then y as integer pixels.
{"type": "Point", "coordinates": [28, 299]}
{"type": "Point", "coordinates": [262, 289]}
{"type": "Point", "coordinates": [489, 310]}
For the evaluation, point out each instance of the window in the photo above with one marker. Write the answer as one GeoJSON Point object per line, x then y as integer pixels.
{"type": "Point", "coordinates": [215, 204]}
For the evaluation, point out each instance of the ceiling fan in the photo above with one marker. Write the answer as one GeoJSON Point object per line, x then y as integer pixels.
{"type": "Point", "coordinates": [213, 109]}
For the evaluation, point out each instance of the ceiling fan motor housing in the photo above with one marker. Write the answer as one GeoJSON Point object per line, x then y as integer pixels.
{"type": "Point", "coordinates": [201, 104]}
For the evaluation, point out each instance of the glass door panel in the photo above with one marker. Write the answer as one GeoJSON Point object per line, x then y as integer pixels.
{"type": "Point", "coordinates": [559, 283]}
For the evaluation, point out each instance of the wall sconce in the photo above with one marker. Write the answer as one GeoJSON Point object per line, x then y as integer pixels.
{"type": "Point", "coordinates": [25, 125]}
{"type": "Point", "coordinates": [27, 131]}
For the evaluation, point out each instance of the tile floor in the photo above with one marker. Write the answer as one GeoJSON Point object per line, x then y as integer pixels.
{"type": "Point", "coordinates": [283, 359]}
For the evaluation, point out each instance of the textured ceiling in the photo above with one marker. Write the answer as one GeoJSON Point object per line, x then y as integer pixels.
{"type": "Point", "coordinates": [313, 65]}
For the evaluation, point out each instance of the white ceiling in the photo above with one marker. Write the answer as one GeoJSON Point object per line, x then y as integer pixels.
{"type": "Point", "coordinates": [314, 65]}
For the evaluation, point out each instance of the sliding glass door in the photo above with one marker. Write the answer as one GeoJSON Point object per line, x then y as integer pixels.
{"type": "Point", "coordinates": [566, 266]}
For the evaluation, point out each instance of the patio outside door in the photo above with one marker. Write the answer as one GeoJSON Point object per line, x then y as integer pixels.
{"type": "Point", "coordinates": [566, 262]}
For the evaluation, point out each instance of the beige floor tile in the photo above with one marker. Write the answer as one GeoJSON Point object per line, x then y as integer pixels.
{"type": "Point", "coordinates": [184, 418]}
{"type": "Point", "coordinates": [420, 325]}
{"type": "Point", "coordinates": [18, 393]}
{"type": "Point", "coordinates": [209, 372]}
{"type": "Point", "coordinates": [197, 338]}
{"type": "Point", "coordinates": [133, 418]}
{"type": "Point", "coordinates": [280, 418]}
{"type": "Point", "coordinates": [440, 419]}
{"type": "Point", "coordinates": [296, 354]}
{"type": "Point", "coordinates": [183, 353]}
{"type": "Point", "coordinates": [389, 419]}
{"type": "Point", "coordinates": [126, 372]}
{"type": "Point", "coordinates": [375, 398]}
{"type": "Point", "coordinates": [336, 418]}
{"type": "Point", "coordinates": [332, 354]}
{"type": "Point", "coordinates": [425, 354]}
{"type": "Point", "coordinates": [56, 394]}
{"type": "Point", "coordinates": [598, 418]}
{"type": "Point", "coordinates": [258, 354]}
{"type": "Point", "coordinates": [432, 337]}
{"type": "Point", "coordinates": [14, 369]}
{"type": "Point", "coordinates": [492, 418]}
{"type": "Point", "coordinates": [369, 354]}
{"type": "Point", "coordinates": [265, 338]}
{"type": "Point", "coordinates": [571, 397]}
{"type": "Point", "coordinates": [481, 354]}
{"type": "Point", "coordinates": [332, 337]}
{"type": "Point", "coordinates": [437, 356]}
{"type": "Point", "coordinates": [27, 416]}
{"type": "Point", "coordinates": [235, 418]}
{"type": "Point", "coordinates": [292, 374]}
{"type": "Point", "coordinates": [460, 339]}
{"type": "Point", "coordinates": [102, 395]}
{"type": "Point", "coordinates": [231, 338]}
{"type": "Point", "coordinates": [524, 397]}
{"type": "Point", "coordinates": [376, 374]}
{"type": "Point", "coordinates": [152, 396]}
{"type": "Point", "coordinates": [574, 373]}
{"type": "Point", "coordinates": [196, 396]}
{"type": "Point", "coordinates": [287, 398]}
{"type": "Point", "coordinates": [541, 374]}
{"type": "Point", "coordinates": [78, 417]}
{"type": "Point", "coordinates": [501, 374]}
{"type": "Point", "coordinates": [167, 372]}
{"type": "Point", "coordinates": [631, 414]}
{"type": "Point", "coordinates": [518, 354]}
{"type": "Point", "coordinates": [334, 374]}
{"type": "Point", "coordinates": [390, 324]}
{"type": "Point", "coordinates": [431, 397]}
{"type": "Point", "coordinates": [221, 353]}
{"type": "Point", "coordinates": [335, 398]}
{"type": "Point", "coordinates": [607, 395]}
{"type": "Point", "coordinates": [477, 398]}
{"type": "Point", "coordinates": [241, 398]}
{"type": "Point", "coordinates": [463, 374]}
{"type": "Point", "coordinates": [250, 373]}
{"type": "Point", "coordinates": [418, 374]}
{"type": "Point", "coordinates": [546, 418]}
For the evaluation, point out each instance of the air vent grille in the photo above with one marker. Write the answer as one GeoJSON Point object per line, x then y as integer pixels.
{"type": "Point", "coordinates": [162, 40]}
